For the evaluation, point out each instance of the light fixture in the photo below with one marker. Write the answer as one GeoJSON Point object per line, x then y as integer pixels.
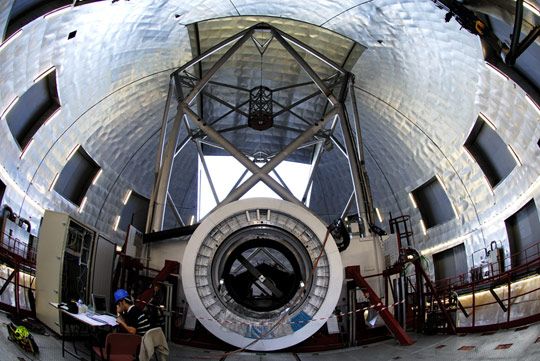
{"type": "Point", "coordinates": [72, 152]}
{"type": "Point", "coordinates": [14, 36]}
{"type": "Point", "coordinates": [44, 74]}
{"type": "Point", "coordinates": [126, 197]}
{"type": "Point", "coordinates": [514, 155]}
{"type": "Point", "coordinates": [379, 215]}
{"type": "Point", "coordinates": [10, 106]}
{"type": "Point", "coordinates": [96, 177]}
{"type": "Point", "coordinates": [487, 121]}
{"type": "Point", "coordinates": [116, 222]}
{"type": "Point", "coordinates": [55, 179]}
{"type": "Point", "coordinates": [83, 203]}
{"type": "Point", "coordinates": [411, 197]}
{"type": "Point", "coordinates": [424, 230]}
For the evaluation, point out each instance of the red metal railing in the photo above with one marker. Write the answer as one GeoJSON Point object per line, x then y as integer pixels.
{"type": "Point", "coordinates": [528, 259]}
{"type": "Point", "coordinates": [18, 249]}
{"type": "Point", "coordinates": [20, 259]}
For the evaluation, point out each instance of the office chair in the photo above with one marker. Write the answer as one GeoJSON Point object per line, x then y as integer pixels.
{"type": "Point", "coordinates": [119, 347]}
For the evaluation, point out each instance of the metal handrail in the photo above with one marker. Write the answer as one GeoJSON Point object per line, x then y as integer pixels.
{"type": "Point", "coordinates": [21, 249]}
{"type": "Point", "coordinates": [463, 280]}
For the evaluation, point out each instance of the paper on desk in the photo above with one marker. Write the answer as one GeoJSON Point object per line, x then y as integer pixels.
{"type": "Point", "coordinates": [109, 320]}
{"type": "Point", "coordinates": [89, 321]}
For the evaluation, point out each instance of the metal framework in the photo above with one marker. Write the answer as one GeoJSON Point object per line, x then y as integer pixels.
{"type": "Point", "coordinates": [316, 134]}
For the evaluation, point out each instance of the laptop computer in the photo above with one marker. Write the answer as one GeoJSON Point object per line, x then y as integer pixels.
{"type": "Point", "coordinates": [99, 304]}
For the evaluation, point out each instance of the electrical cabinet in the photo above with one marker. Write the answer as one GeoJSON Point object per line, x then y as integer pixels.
{"type": "Point", "coordinates": [63, 265]}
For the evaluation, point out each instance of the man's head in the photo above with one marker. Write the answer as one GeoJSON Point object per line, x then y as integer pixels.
{"type": "Point", "coordinates": [122, 300]}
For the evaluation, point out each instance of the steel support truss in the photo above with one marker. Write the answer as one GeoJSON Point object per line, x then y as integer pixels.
{"type": "Point", "coordinates": [314, 135]}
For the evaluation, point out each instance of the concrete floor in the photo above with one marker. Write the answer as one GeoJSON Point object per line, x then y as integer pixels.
{"type": "Point", "coordinates": [521, 344]}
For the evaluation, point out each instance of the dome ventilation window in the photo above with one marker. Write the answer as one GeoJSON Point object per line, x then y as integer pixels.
{"type": "Point", "coordinates": [77, 176]}
{"type": "Point", "coordinates": [490, 152]}
{"type": "Point", "coordinates": [433, 203]}
{"type": "Point", "coordinates": [34, 108]}
{"type": "Point", "coordinates": [134, 212]}
{"type": "Point", "coordinates": [523, 229]}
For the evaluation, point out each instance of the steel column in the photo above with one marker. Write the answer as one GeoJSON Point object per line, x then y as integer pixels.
{"type": "Point", "coordinates": [159, 156]}
{"type": "Point", "coordinates": [161, 185]}
{"type": "Point", "coordinates": [516, 33]}
{"type": "Point", "coordinates": [354, 165]}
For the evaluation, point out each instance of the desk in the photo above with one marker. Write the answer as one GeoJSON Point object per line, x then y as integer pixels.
{"type": "Point", "coordinates": [92, 321]}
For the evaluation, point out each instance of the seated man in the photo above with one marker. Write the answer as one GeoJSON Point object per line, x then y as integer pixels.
{"type": "Point", "coordinates": [130, 318]}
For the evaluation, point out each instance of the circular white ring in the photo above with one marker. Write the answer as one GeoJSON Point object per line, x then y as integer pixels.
{"type": "Point", "coordinates": [226, 331]}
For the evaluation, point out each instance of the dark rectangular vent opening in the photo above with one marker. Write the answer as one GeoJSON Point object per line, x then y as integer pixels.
{"type": "Point", "coordinates": [433, 203]}
{"type": "Point", "coordinates": [77, 176]}
{"type": "Point", "coordinates": [523, 229]}
{"type": "Point", "coordinates": [450, 263]}
{"type": "Point", "coordinates": [72, 34]}
{"type": "Point", "coordinates": [33, 109]}
{"type": "Point", "coordinates": [2, 191]}
{"type": "Point", "coordinates": [24, 12]}
{"type": "Point", "coordinates": [134, 212]}
{"type": "Point", "coordinates": [490, 152]}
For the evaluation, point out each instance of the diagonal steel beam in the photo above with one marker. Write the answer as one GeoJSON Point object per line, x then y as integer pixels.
{"type": "Point", "coordinates": [290, 111]}
{"type": "Point", "coordinates": [210, 73]}
{"type": "Point", "coordinates": [314, 165]}
{"type": "Point", "coordinates": [231, 86]}
{"type": "Point", "coordinates": [250, 182]}
{"type": "Point", "coordinates": [281, 180]}
{"type": "Point", "coordinates": [161, 185]}
{"type": "Point", "coordinates": [175, 211]}
{"type": "Point", "coordinates": [181, 146]}
{"type": "Point", "coordinates": [239, 180]}
{"type": "Point", "coordinates": [305, 66]}
{"type": "Point", "coordinates": [229, 112]}
{"type": "Point", "coordinates": [311, 51]}
{"type": "Point", "coordinates": [227, 104]}
{"type": "Point", "coordinates": [210, 143]}
{"type": "Point", "coordinates": [230, 129]}
{"type": "Point", "coordinates": [296, 103]}
{"type": "Point", "coordinates": [242, 158]}
{"type": "Point", "coordinates": [214, 49]}
{"type": "Point", "coordinates": [206, 171]}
